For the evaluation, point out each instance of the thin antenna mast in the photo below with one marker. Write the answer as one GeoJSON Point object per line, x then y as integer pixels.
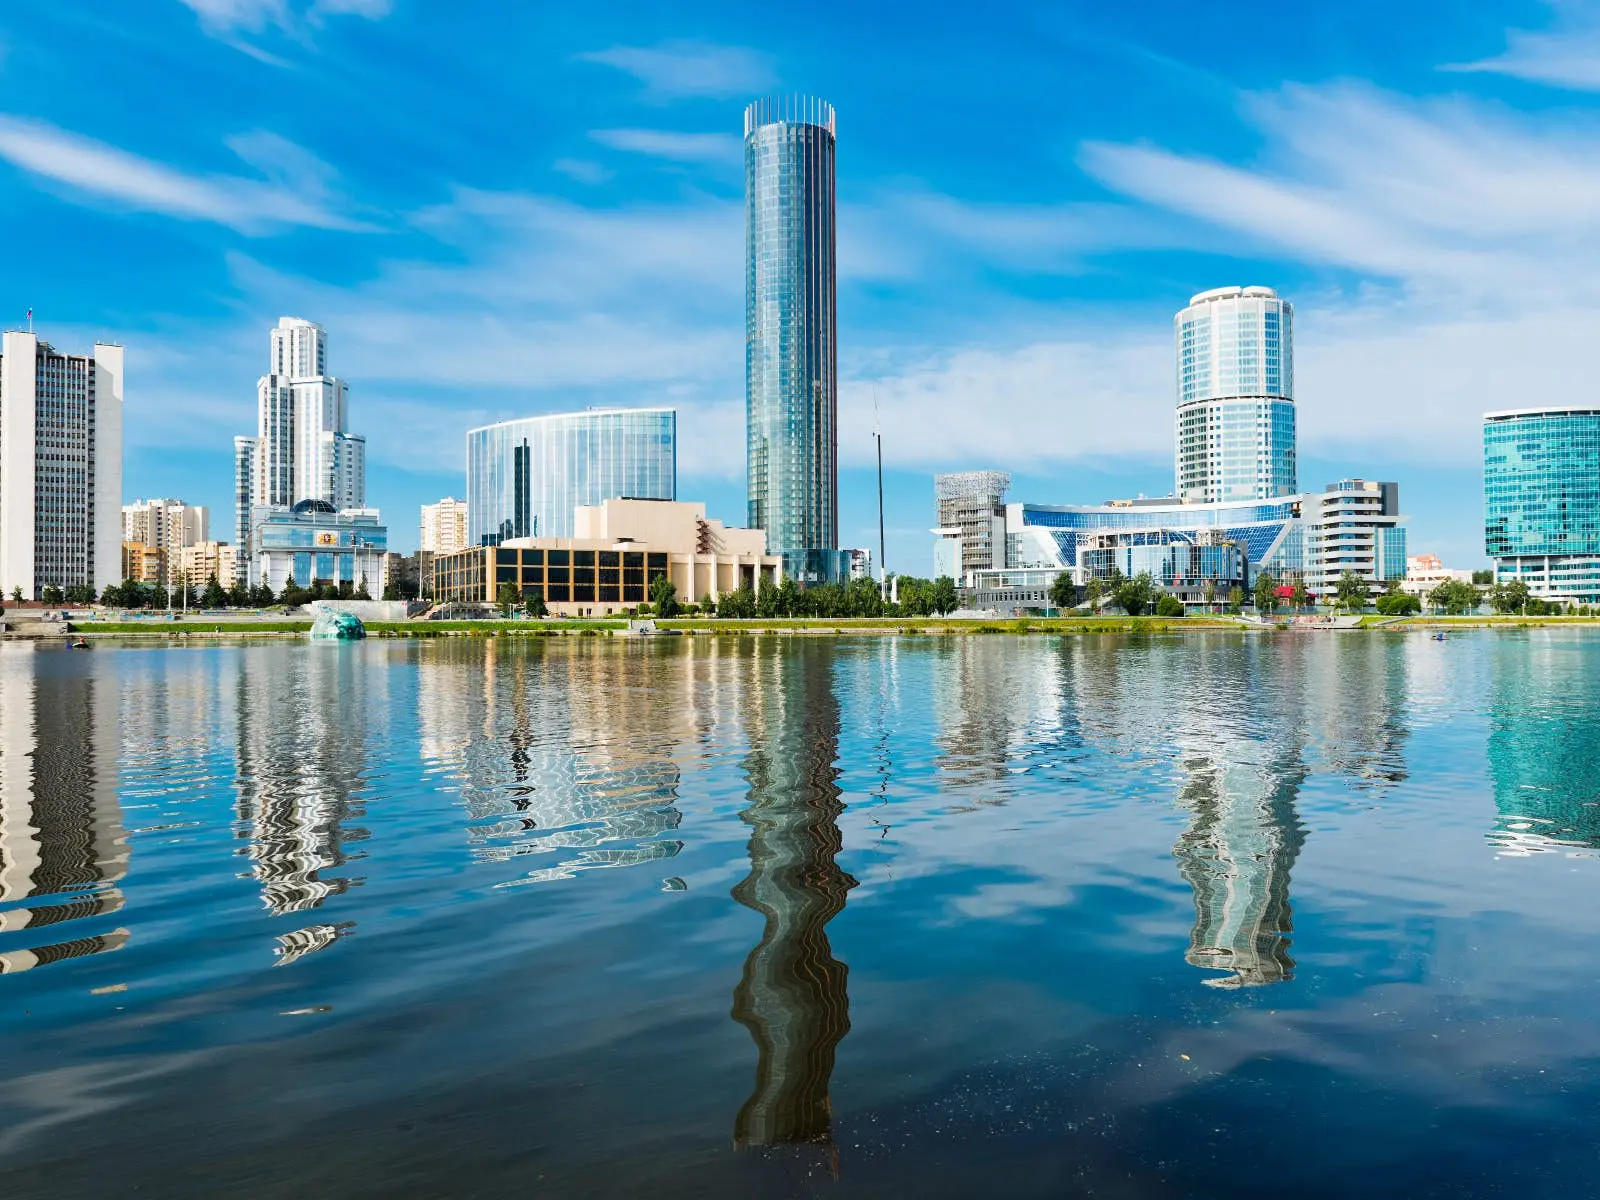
{"type": "Point", "coordinates": [877, 435]}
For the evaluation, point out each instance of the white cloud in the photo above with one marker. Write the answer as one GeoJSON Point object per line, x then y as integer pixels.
{"type": "Point", "coordinates": [1566, 57]}
{"type": "Point", "coordinates": [679, 147]}
{"type": "Point", "coordinates": [230, 20]}
{"type": "Point", "coordinates": [1429, 194]}
{"type": "Point", "coordinates": [582, 170]}
{"type": "Point", "coordinates": [683, 69]}
{"type": "Point", "coordinates": [222, 18]}
{"type": "Point", "coordinates": [296, 192]}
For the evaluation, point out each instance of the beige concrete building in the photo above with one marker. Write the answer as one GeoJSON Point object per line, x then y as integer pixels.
{"type": "Point", "coordinates": [619, 549]}
{"type": "Point", "coordinates": [143, 563]}
{"type": "Point", "coordinates": [201, 561]}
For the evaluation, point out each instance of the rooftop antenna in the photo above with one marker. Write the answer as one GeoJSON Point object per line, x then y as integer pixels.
{"type": "Point", "coordinates": [877, 436]}
{"type": "Point", "coordinates": [30, 320]}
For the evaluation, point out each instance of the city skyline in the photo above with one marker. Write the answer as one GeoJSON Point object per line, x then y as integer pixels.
{"type": "Point", "coordinates": [1013, 253]}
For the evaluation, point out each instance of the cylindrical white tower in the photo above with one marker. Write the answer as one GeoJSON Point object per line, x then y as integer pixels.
{"type": "Point", "coordinates": [1236, 420]}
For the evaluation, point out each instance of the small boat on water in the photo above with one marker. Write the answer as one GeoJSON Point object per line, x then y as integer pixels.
{"type": "Point", "coordinates": [1438, 637]}
{"type": "Point", "coordinates": [79, 644]}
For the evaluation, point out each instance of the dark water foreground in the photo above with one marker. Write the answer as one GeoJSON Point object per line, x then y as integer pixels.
{"type": "Point", "coordinates": [1212, 915]}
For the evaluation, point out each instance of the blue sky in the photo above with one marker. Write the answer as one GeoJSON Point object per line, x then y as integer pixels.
{"type": "Point", "coordinates": [506, 209]}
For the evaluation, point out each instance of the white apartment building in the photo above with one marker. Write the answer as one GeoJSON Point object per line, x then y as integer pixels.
{"type": "Point", "coordinates": [303, 448]}
{"type": "Point", "coordinates": [1353, 525]}
{"type": "Point", "coordinates": [166, 525]}
{"type": "Point", "coordinates": [200, 561]}
{"type": "Point", "coordinates": [60, 466]}
{"type": "Point", "coordinates": [444, 526]}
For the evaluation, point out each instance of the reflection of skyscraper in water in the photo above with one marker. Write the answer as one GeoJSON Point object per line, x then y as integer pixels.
{"type": "Point", "coordinates": [792, 996]}
{"type": "Point", "coordinates": [555, 757]}
{"type": "Point", "coordinates": [303, 739]}
{"type": "Point", "coordinates": [61, 829]}
{"type": "Point", "coordinates": [1544, 754]}
{"type": "Point", "coordinates": [1244, 834]}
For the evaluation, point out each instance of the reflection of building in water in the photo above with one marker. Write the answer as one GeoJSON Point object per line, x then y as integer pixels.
{"type": "Point", "coordinates": [999, 704]}
{"type": "Point", "coordinates": [303, 744]}
{"type": "Point", "coordinates": [1544, 753]}
{"type": "Point", "coordinates": [1356, 725]}
{"type": "Point", "coordinates": [301, 942]}
{"type": "Point", "coordinates": [1243, 769]}
{"type": "Point", "coordinates": [555, 756]}
{"type": "Point", "coordinates": [792, 997]}
{"type": "Point", "coordinates": [61, 829]}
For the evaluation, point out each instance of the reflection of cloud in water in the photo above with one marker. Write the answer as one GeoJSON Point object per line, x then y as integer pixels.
{"type": "Point", "coordinates": [793, 996]}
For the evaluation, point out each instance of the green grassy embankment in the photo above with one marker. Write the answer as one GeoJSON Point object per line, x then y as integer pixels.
{"type": "Point", "coordinates": [1488, 622]}
{"type": "Point", "coordinates": [944, 625]}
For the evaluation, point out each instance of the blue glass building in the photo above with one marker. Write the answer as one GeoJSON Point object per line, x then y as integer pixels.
{"type": "Point", "coordinates": [1541, 498]}
{"type": "Point", "coordinates": [313, 543]}
{"type": "Point", "coordinates": [1236, 415]}
{"type": "Point", "coordinates": [791, 376]}
{"type": "Point", "coordinates": [525, 477]}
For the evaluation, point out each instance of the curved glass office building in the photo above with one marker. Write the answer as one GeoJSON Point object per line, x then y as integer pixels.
{"type": "Point", "coordinates": [791, 377]}
{"type": "Point", "coordinates": [525, 477]}
{"type": "Point", "coordinates": [1236, 419]}
{"type": "Point", "coordinates": [1541, 499]}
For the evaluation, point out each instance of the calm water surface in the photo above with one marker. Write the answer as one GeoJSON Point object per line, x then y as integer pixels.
{"type": "Point", "coordinates": [1204, 916]}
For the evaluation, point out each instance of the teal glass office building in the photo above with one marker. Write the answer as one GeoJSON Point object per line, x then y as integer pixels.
{"type": "Point", "coordinates": [791, 359]}
{"type": "Point", "coordinates": [525, 477]}
{"type": "Point", "coordinates": [1541, 499]}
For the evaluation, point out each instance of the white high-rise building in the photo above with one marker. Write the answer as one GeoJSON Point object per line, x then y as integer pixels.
{"type": "Point", "coordinates": [60, 466]}
{"type": "Point", "coordinates": [1236, 415]}
{"type": "Point", "coordinates": [303, 448]}
{"type": "Point", "coordinates": [444, 526]}
{"type": "Point", "coordinates": [342, 460]}
{"type": "Point", "coordinates": [167, 525]}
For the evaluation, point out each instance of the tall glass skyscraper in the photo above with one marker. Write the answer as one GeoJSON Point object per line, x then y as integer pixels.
{"type": "Point", "coordinates": [1541, 499]}
{"type": "Point", "coordinates": [791, 370]}
{"type": "Point", "coordinates": [525, 477]}
{"type": "Point", "coordinates": [1236, 423]}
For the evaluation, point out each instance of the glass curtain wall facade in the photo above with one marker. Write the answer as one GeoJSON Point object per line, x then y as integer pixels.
{"type": "Point", "coordinates": [791, 379]}
{"type": "Point", "coordinates": [1541, 493]}
{"type": "Point", "coordinates": [1236, 415]}
{"type": "Point", "coordinates": [525, 477]}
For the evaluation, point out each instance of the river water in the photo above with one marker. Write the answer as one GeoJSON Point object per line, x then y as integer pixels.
{"type": "Point", "coordinates": [1203, 915]}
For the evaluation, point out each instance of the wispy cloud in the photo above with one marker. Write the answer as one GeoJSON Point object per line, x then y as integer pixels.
{"type": "Point", "coordinates": [684, 69]}
{"type": "Point", "coordinates": [1420, 193]}
{"type": "Point", "coordinates": [295, 193]}
{"type": "Point", "coordinates": [1567, 56]}
{"type": "Point", "coordinates": [678, 147]}
{"type": "Point", "coordinates": [231, 20]}
{"type": "Point", "coordinates": [582, 170]}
